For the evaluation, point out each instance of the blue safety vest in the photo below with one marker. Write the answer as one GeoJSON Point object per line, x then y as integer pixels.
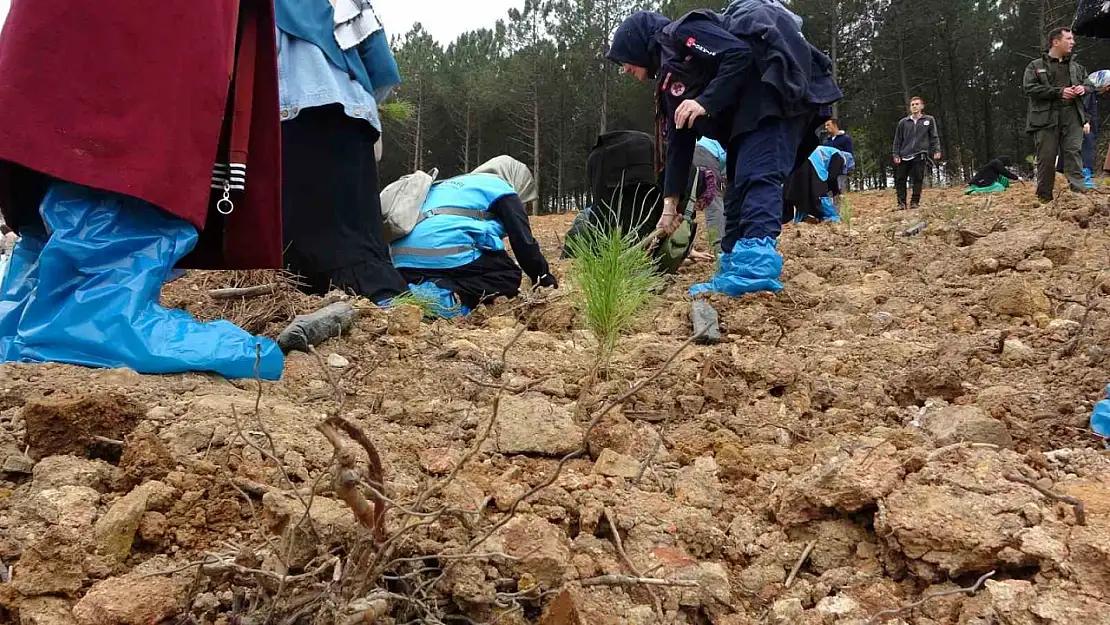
{"type": "Point", "coordinates": [821, 157]}
{"type": "Point", "coordinates": [456, 225]}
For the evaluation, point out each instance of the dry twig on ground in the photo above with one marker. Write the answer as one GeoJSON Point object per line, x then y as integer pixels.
{"type": "Point", "coordinates": [245, 293]}
{"type": "Point", "coordinates": [798, 565]}
{"type": "Point", "coordinates": [971, 590]}
{"type": "Point", "coordinates": [624, 580]}
{"type": "Point", "coordinates": [1080, 510]}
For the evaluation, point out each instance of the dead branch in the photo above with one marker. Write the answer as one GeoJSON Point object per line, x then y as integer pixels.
{"type": "Point", "coordinates": [245, 293]}
{"type": "Point", "coordinates": [949, 448]}
{"type": "Point", "coordinates": [1080, 510]}
{"type": "Point", "coordinates": [108, 441]}
{"type": "Point", "coordinates": [971, 590]}
{"type": "Point", "coordinates": [624, 580]}
{"type": "Point", "coordinates": [619, 544]}
{"type": "Point", "coordinates": [798, 565]}
{"type": "Point", "coordinates": [347, 480]}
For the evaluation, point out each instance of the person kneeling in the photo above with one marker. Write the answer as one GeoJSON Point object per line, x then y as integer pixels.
{"type": "Point", "coordinates": [458, 243]}
{"type": "Point", "coordinates": [994, 177]}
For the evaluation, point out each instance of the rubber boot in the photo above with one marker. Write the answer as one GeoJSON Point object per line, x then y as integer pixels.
{"type": "Point", "coordinates": [1088, 179]}
{"type": "Point", "coordinates": [17, 287]}
{"type": "Point", "coordinates": [752, 266]}
{"type": "Point", "coordinates": [101, 273]}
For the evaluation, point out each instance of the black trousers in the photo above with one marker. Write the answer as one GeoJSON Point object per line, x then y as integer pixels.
{"type": "Point", "coordinates": [493, 275]}
{"type": "Point", "coordinates": [914, 170]}
{"type": "Point", "coordinates": [331, 210]}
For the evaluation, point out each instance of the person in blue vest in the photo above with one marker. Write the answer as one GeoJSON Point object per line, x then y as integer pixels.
{"type": "Point", "coordinates": [709, 154]}
{"type": "Point", "coordinates": [750, 80]}
{"type": "Point", "coordinates": [459, 246]}
{"type": "Point", "coordinates": [814, 189]}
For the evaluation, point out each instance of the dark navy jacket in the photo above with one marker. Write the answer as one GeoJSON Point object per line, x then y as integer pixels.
{"type": "Point", "coordinates": [743, 71]}
{"type": "Point", "coordinates": [842, 142]}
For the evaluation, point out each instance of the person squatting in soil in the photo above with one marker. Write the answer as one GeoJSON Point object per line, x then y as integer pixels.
{"type": "Point", "coordinates": [993, 177]}
{"type": "Point", "coordinates": [716, 77]}
{"type": "Point", "coordinates": [1055, 84]}
{"type": "Point", "coordinates": [124, 147]}
{"type": "Point", "coordinates": [334, 73]}
{"type": "Point", "coordinates": [458, 247]}
{"type": "Point", "coordinates": [915, 138]}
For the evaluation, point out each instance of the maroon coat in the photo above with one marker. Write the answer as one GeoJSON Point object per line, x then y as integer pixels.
{"type": "Point", "coordinates": [130, 97]}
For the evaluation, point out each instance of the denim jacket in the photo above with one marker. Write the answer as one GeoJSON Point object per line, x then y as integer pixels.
{"type": "Point", "coordinates": [306, 79]}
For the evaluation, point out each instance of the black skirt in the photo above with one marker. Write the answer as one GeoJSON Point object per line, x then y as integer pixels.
{"type": "Point", "coordinates": [331, 210]}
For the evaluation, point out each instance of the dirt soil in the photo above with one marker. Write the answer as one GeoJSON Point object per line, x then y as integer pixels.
{"type": "Point", "coordinates": [906, 419]}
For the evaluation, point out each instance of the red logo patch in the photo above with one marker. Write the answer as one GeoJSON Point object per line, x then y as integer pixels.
{"type": "Point", "coordinates": [678, 89]}
{"type": "Point", "coordinates": [690, 42]}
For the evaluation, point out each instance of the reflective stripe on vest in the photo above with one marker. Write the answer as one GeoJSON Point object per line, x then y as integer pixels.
{"type": "Point", "coordinates": [431, 253]}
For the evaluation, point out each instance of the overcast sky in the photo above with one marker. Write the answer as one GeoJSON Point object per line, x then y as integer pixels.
{"type": "Point", "coordinates": [444, 19]}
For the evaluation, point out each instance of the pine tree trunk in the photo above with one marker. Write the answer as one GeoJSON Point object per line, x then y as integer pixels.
{"type": "Point", "coordinates": [466, 138]}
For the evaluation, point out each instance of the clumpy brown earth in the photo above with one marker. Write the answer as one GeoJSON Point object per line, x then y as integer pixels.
{"type": "Point", "coordinates": [902, 421]}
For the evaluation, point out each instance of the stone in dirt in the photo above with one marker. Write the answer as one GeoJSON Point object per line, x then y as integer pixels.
{"type": "Point", "coordinates": [543, 547]}
{"type": "Point", "coordinates": [962, 517]}
{"type": "Point", "coordinates": [698, 485]}
{"type": "Point", "coordinates": [440, 460]}
{"type": "Point", "coordinates": [1015, 353]}
{"type": "Point", "coordinates": [46, 611]}
{"type": "Point", "coordinates": [57, 471]}
{"type": "Point", "coordinates": [405, 320]}
{"type": "Point", "coordinates": [53, 565]}
{"type": "Point", "coordinates": [846, 484]}
{"type": "Point", "coordinates": [531, 424]}
{"type": "Point", "coordinates": [332, 520]}
{"type": "Point", "coordinates": [612, 464]}
{"type": "Point", "coordinates": [337, 361]}
{"type": "Point", "coordinates": [145, 457]}
{"type": "Point", "coordinates": [65, 425]}
{"type": "Point", "coordinates": [1016, 297]}
{"type": "Point", "coordinates": [71, 506]}
{"type": "Point", "coordinates": [115, 531]}
{"type": "Point", "coordinates": [1018, 602]}
{"type": "Point", "coordinates": [131, 600]}
{"type": "Point", "coordinates": [960, 424]}
{"type": "Point", "coordinates": [595, 606]}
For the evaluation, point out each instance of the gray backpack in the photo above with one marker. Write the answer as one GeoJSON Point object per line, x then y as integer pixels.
{"type": "Point", "coordinates": [401, 203]}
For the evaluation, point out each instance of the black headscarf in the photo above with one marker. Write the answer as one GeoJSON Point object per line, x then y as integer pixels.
{"type": "Point", "coordinates": [634, 41]}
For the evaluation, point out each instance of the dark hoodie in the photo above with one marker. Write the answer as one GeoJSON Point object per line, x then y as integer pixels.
{"type": "Point", "coordinates": [717, 61]}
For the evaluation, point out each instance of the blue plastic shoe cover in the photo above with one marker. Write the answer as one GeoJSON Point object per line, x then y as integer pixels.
{"type": "Point", "coordinates": [1088, 179]}
{"type": "Point", "coordinates": [19, 282]}
{"type": "Point", "coordinates": [1100, 418]}
{"type": "Point", "coordinates": [752, 266]}
{"type": "Point", "coordinates": [99, 279]}
{"type": "Point", "coordinates": [828, 209]}
{"type": "Point", "coordinates": [440, 301]}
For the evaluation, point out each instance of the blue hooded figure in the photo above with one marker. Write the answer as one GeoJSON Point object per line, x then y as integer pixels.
{"type": "Point", "coordinates": [749, 80]}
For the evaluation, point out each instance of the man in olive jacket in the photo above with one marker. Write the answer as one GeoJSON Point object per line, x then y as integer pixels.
{"type": "Point", "coordinates": [1055, 84]}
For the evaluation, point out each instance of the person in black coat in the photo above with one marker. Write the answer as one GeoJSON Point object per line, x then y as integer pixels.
{"type": "Point", "coordinates": [992, 171]}
{"type": "Point", "coordinates": [749, 80]}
